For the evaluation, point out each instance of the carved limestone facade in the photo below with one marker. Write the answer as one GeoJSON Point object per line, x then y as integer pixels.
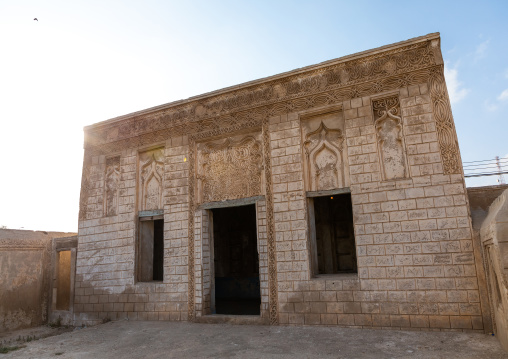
{"type": "Point", "coordinates": [376, 126]}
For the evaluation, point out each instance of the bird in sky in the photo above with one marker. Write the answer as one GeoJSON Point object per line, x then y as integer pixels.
{"type": "Point", "coordinates": [36, 19]}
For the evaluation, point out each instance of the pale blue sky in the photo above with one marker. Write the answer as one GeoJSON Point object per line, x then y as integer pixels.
{"type": "Point", "coordinates": [87, 61]}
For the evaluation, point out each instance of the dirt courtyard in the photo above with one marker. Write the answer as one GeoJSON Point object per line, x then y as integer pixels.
{"type": "Point", "coordinates": [137, 339]}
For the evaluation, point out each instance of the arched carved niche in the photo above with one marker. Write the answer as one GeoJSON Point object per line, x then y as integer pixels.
{"type": "Point", "coordinates": [111, 184]}
{"type": "Point", "coordinates": [230, 168]}
{"type": "Point", "coordinates": [324, 151]}
{"type": "Point", "coordinates": [388, 124]}
{"type": "Point", "coordinates": [151, 176]}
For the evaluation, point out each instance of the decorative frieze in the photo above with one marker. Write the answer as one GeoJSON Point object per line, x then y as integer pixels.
{"type": "Point", "coordinates": [350, 75]}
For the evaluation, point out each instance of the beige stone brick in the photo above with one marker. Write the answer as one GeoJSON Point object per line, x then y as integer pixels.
{"type": "Point", "coordinates": [389, 308]}
{"type": "Point", "coordinates": [329, 319]}
{"type": "Point", "coordinates": [457, 322]}
{"type": "Point", "coordinates": [318, 307]}
{"type": "Point", "coordinates": [296, 318]}
{"type": "Point", "coordinates": [363, 319]}
{"type": "Point", "coordinates": [439, 321]}
{"type": "Point", "coordinates": [400, 321]}
{"type": "Point", "coordinates": [352, 307]}
{"type": "Point", "coordinates": [477, 322]}
{"type": "Point", "coordinates": [419, 321]}
{"type": "Point", "coordinates": [312, 319]}
{"type": "Point", "coordinates": [346, 319]}
{"type": "Point", "coordinates": [334, 307]}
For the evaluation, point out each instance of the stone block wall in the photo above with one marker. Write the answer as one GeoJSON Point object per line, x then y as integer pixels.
{"type": "Point", "coordinates": [416, 265]}
{"type": "Point", "coordinates": [106, 285]}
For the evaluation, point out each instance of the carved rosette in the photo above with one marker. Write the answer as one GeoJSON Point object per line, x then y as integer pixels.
{"type": "Point", "coordinates": [446, 133]}
{"type": "Point", "coordinates": [388, 124]}
{"type": "Point", "coordinates": [325, 161]}
{"type": "Point", "coordinates": [230, 169]}
{"type": "Point", "coordinates": [112, 181]}
{"type": "Point", "coordinates": [151, 173]}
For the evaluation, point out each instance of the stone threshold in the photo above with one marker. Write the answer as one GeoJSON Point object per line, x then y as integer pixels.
{"type": "Point", "coordinates": [232, 319]}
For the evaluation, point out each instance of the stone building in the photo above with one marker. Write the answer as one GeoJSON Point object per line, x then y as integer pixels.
{"type": "Point", "coordinates": [328, 195]}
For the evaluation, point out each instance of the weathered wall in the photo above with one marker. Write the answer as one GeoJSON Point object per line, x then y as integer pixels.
{"type": "Point", "coordinates": [376, 124]}
{"type": "Point", "coordinates": [25, 266]}
{"type": "Point", "coordinates": [63, 271]}
{"type": "Point", "coordinates": [480, 199]}
{"type": "Point", "coordinates": [494, 238]}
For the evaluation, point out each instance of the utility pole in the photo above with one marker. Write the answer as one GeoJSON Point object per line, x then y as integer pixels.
{"type": "Point", "coordinates": [501, 177]}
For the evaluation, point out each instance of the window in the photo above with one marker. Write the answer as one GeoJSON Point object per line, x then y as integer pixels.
{"type": "Point", "coordinates": [332, 234]}
{"type": "Point", "coordinates": [151, 249]}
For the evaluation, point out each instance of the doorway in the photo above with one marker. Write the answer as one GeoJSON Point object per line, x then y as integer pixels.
{"type": "Point", "coordinates": [236, 261]}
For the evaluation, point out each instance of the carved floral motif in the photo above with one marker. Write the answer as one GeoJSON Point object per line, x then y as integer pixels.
{"type": "Point", "coordinates": [230, 169]}
{"type": "Point", "coordinates": [446, 133]}
{"type": "Point", "coordinates": [151, 172]}
{"type": "Point", "coordinates": [270, 227]}
{"type": "Point", "coordinates": [325, 160]}
{"type": "Point", "coordinates": [388, 126]}
{"type": "Point", "coordinates": [111, 186]}
{"type": "Point", "coordinates": [86, 187]}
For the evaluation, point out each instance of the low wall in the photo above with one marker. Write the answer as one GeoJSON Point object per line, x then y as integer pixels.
{"type": "Point", "coordinates": [25, 267]}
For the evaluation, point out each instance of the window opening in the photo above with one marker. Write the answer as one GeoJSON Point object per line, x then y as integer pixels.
{"type": "Point", "coordinates": [334, 234]}
{"type": "Point", "coordinates": [151, 249]}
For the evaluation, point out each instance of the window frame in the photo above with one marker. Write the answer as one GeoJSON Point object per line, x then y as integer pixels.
{"type": "Point", "coordinates": [145, 216]}
{"type": "Point", "coordinates": [313, 253]}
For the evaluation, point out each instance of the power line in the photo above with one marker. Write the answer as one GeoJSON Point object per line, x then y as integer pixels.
{"type": "Point", "coordinates": [486, 174]}
{"type": "Point", "coordinates": [492, 160]}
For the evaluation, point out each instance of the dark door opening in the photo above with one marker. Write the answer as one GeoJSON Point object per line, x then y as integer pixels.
{"type": "Point", "coordinates": [236, 262]}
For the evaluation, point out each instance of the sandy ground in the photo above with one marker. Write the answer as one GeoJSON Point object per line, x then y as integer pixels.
{"type": "Point", "coordinates": [135, 339]}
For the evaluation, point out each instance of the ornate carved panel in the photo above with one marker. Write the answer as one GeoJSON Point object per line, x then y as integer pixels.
{"type": "Point", "coordinates": [151, 173]}
{"type": "Point", "coordinates": [86, 186]}
{"type": "Point", "coordinates": [230, 168]}
{"type": "Point", "coordinates": [270, 226]}
{"type": "Point", "coordinates": [388, 124]}
{"type": "Point", "coordinates": [447, 136]}
{"type": "Point", "coordinates": [111, 183]}
{"type": "Point", "coordinates": [323, 146]}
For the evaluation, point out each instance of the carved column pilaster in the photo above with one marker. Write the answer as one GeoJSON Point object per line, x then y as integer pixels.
{"type": "Point", "coordinates": [270, 226]}
{"type": "Point", "coordinates": [446, 134]}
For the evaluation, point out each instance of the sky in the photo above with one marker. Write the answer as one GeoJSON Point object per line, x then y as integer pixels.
{"type": "Point", "coordinates": [84, 62]}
